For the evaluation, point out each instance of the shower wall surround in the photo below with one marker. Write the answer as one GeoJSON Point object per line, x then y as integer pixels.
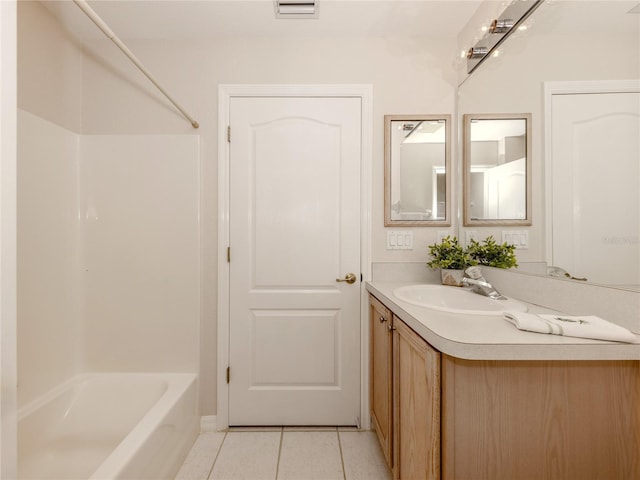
{"type": "Point", "coordinates": [141, 275]}
{"type": "Point", "coordinates": [108, 228]}
{"type": "Point", "coordinates": [49, 249]}
{"type": "Point", "coordinates": [108, 259]}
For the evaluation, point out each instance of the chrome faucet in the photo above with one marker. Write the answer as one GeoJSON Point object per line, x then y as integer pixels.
{"type": "Point", "coordinates": [483, 288]}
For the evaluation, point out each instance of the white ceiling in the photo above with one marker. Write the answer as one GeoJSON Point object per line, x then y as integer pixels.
{"type": "Point", "coordinates": [199, 19]}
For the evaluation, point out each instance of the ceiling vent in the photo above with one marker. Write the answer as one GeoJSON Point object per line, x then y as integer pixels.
{"type": "Point", "coordinates": [296, 8]}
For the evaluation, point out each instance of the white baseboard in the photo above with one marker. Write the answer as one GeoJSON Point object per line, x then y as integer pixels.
{"type": "Point", "coordinates": [208, 423]}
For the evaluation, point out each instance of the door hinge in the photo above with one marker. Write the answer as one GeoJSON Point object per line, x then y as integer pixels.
{"type": "Point", "coordinates": [228, 254]}
{"type": "Point", "coordinates": [229, 133]}
{"type": "Point", "coordinates": [228, 374]}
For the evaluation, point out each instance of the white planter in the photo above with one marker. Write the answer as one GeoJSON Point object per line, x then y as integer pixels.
{"type": "Point", "coordinates": [451, 277]}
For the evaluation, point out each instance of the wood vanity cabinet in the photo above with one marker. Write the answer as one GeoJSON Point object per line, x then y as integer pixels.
{"type": "Point", "coordinates": [442, 417]}
{"type": "Point", "coordinates": [540, 419]}
{"type": "Point", "coordinates": [416, 406]}
{"type": "Point", "coordinates": [380, 400]}
{"type": "Point", "coordinates": [405, 396]}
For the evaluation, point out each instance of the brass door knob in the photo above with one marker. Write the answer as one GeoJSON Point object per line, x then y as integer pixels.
{"type": "Point", "coordinates": [349, 278]}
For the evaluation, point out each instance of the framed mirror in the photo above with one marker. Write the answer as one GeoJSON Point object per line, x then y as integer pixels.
{"type": "Point", "coordinates": [497, 169]}
{"type": "Point", "coordinates": [417, 176]}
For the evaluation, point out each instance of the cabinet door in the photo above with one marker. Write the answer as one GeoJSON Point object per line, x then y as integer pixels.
{"type": "Point", "coordinates": [416, 375]}
{"type": "Point", "coordinates": [381, 371]}
{"type": "Point", "coordinates": [541, 419]}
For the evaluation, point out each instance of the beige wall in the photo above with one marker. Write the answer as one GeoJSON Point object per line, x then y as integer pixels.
{"type": "Point", "coordinates": [408, 76]}
{"type": "Point", "coordinates": [49, 68]}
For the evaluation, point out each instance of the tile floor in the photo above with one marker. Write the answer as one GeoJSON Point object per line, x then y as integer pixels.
{"type": "Point", "coordinates": [285, 454]}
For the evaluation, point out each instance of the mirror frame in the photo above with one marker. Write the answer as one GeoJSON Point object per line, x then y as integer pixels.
{"type": "Point", "coordinates": [466, 162]}
{"type": "Point", "coordinates": [388, 222]}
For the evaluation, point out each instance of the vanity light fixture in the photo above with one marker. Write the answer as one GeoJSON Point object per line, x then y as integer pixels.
{"type": "Point", "coordinates": [501, 26]}
{"type": "Point", "coordinates": [296, 8]}
{"type": "Point", "coordinates": [477, 52]}
{"type": "Point", "coordinates": [411, 127]}
{"type": "Point", "coordinates": [510, 19]}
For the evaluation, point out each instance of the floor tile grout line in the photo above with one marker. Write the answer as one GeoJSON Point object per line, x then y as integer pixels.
{"type": "Point", "coordinates": [343, 460]}
{"type": "Point", "coordinates": [344, 470]}
{"type": "Point", "coordinates": [215, 459]}
{"type": "Point", "coordinates": [279, 452]}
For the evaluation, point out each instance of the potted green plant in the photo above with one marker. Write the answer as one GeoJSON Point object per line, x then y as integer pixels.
{"type": "Point", "coordinates": [451, 259]}
{"type": "Point", "coordinates": [492, 254]}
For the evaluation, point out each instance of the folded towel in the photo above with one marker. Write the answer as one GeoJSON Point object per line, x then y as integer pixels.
{"type": "Point", "coordinates": [571, 326]}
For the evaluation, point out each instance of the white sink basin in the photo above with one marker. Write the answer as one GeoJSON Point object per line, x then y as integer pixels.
{"type": "Point", "coordinates": [456, 300]}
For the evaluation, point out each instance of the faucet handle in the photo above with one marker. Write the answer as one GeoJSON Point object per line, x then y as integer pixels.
{"type": "Point", "coordinates": [474, 272]}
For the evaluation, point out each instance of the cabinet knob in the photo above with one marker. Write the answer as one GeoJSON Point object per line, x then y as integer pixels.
{"type": "Point", "coordinates": [382, 319]}
{"type": "Point", "coordinates": [391, 328]}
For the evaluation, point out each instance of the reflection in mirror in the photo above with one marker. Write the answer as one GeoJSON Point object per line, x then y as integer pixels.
{"type": "Point", "coordinates": [550, 49]}
{"type": "Point", "coordinates": [497, 178]}
{"type": "Point", "coordinates": [417, 158]}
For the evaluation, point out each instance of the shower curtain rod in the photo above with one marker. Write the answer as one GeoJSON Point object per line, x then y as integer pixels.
{"type": "Point", "coordinates": [84, 6]}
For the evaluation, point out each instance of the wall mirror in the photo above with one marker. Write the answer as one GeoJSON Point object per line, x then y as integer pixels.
{"type": "Point", "coordinates": [497, 169]}
{"type": "Point", "coordinates": [550, 48]}
{"type": "Point", "coordinates": [417, 170]}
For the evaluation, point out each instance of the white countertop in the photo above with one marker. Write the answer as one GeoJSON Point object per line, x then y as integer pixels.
{"type": "Point", "coordinates": [476, 337]}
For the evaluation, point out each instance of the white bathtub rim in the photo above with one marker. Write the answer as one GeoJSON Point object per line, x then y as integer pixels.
{"type": "Point", "coordinates": [119, 458]}
{"type": "Point", "coordinates": [55, 392]}
{"type": "Point", "coordinates": [45, 398]}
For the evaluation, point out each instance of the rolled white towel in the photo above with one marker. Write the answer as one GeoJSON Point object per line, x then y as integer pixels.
{"type": "Point", "coordinates": [571, 326]}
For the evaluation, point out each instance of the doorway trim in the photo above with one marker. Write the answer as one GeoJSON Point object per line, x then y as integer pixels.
{"type": "Point", "coordinates": [578, 87]}
{"type": "Point", "coordinates": [225, 93]}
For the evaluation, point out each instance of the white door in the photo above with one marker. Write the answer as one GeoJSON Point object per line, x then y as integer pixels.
{"type": "Point", "coordinates": [294, 231]}
{"type": "Point", "coordinates": [595, 186]}
{"type": "Point", "coordinates": [506, 184]}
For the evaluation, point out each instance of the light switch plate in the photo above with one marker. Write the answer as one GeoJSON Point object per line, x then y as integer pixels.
{"type": "Point", "coordinates": [518, 238]}
{"type": "Point", "coordinates": [399, 240]}
{"type": "Point", "coordinates": [470, 235]}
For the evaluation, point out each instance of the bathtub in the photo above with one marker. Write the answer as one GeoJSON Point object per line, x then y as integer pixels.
{"type": "Point", "coordinates": [109, 426]}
